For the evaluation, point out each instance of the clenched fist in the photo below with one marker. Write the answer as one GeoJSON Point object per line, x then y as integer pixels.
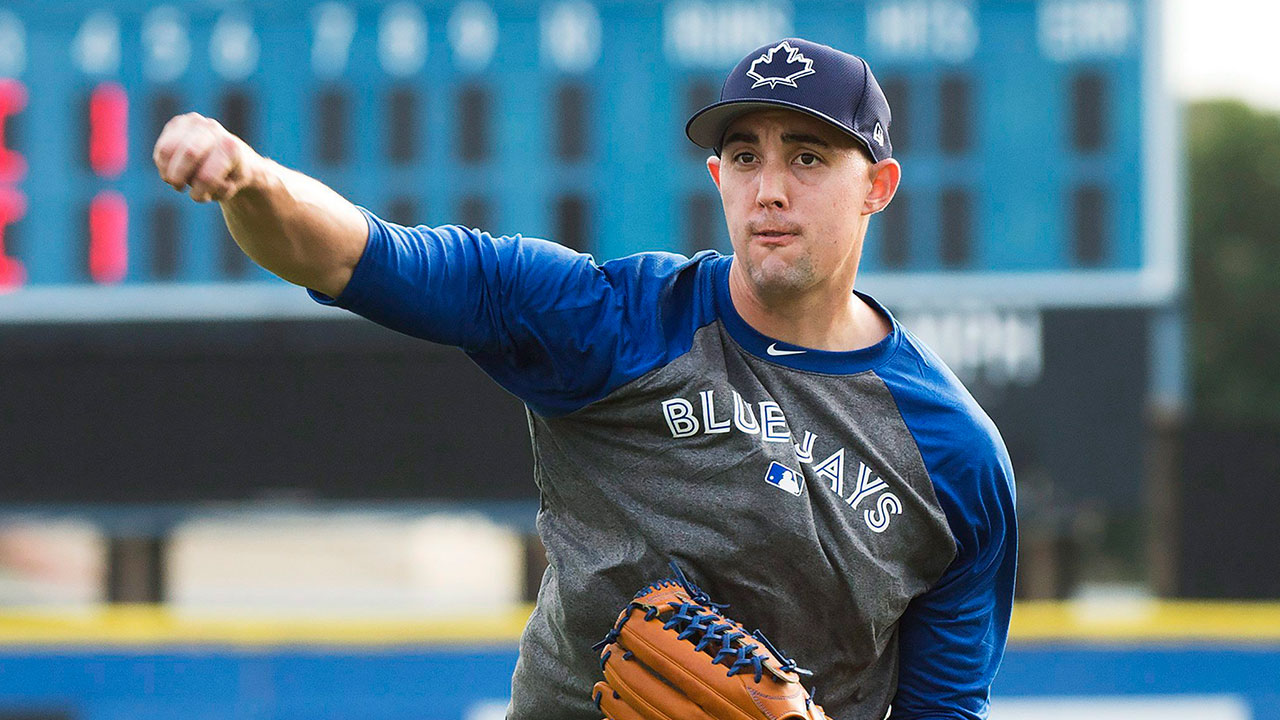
{"type": "Point", "coordinates": [196, 153]}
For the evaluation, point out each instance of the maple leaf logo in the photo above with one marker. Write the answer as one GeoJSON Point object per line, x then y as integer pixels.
{"type": "Point", "coordinates": [774, 71]}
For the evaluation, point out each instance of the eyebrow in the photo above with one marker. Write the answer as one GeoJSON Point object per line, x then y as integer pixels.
{"type": "Point", "coordinates": [740, 136]}
{"type": "Point", "coordinates": [788, 137]}
{"type": "Point", "coordinates": [804, 138]}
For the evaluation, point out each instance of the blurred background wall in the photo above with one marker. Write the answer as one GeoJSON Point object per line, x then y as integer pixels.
{"type": "Point", "coordinates": [221, 499]}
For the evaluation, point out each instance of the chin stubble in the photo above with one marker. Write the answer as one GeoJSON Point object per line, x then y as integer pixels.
{"type": "Point", "coordinates": [787, 279]}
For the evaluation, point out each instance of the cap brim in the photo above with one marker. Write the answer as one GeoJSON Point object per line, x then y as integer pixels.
{"type": "Point", "coordinates": [706, 128]}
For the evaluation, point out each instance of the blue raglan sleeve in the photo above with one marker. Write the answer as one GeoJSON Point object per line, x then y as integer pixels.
{"type": "Point", "coordinates": [548, 323]}
{"type": "Point", "coordinates": [952, 637]}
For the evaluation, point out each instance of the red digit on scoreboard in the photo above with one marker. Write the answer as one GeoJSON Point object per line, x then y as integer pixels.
{"type": "Point", "coordinates": [108, 237]}
{"type": "Point", "coordinates": [13, 167]}
{"type": "Point", "coordinates": [108, 212]}
{"type": "Point", "coordinates": [13, 205]}
{"type": "Point", "coordinates": [108, 129]}
{"type": "Point", "coordinates": [13, 98]}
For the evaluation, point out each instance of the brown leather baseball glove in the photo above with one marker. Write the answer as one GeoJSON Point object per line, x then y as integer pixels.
{"type": "Point", "coordinates": [674, 655]}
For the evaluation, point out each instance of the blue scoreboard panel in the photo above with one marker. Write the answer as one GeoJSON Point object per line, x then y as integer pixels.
{"type": "Point", "coordinates": [1036, 139]}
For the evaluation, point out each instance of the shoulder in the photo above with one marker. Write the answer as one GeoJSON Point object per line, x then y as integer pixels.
{"type": "Point", "coordinates": [577, 336]}
{"type": "Point", "coordinates": [665, 270]}
{"type": "Point", "coordinates": [966, 459]}
{"type": "Point", "coordinates": [947, 421]}
{"type": "Point", "coordinates": [664, 294]}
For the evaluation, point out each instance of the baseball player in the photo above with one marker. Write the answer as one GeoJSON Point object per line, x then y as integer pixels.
{"type": "Point", "coordinates": [752, 417]}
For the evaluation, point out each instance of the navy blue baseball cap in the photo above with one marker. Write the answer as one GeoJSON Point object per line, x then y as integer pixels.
{"type": "Point", "coordinates": [806, 77]}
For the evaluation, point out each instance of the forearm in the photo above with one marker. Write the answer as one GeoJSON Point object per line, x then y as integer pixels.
{"type": "Point", "coordinates": [296, 227]}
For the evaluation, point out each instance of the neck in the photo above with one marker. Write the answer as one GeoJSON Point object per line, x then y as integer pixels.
{"type": "Point", "coordinates": [829, 317]}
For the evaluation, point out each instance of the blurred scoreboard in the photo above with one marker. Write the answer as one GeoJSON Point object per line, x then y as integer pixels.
{"type": "Point", "coordinates": [1037, 141]}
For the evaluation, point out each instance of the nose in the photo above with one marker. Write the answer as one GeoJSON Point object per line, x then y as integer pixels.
{"type": "Point", "coordinates": [772, 189]}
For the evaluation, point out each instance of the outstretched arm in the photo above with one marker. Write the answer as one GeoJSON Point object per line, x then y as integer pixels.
{"type": "Point", "coordinates": [288, 223]}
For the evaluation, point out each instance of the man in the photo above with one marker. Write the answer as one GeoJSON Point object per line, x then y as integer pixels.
{"type": "Point", "coordinates": [752, 417]}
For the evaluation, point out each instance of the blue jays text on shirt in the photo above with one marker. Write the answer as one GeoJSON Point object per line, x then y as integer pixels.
{"type": "Point", "coordinates": [771, 426]}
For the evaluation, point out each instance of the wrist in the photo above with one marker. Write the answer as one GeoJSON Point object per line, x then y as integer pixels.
{"type": "Point", "coordinates": [256, 171]}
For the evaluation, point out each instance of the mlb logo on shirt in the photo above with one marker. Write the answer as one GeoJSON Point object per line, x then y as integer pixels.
{"type": "Point", "coordinates": [781, 476]}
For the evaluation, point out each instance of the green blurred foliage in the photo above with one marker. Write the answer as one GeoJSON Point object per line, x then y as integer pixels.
{"type": "Point", "coordinates": [1233, 175]}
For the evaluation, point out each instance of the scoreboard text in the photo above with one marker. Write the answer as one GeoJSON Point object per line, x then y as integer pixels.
{"type": "Point", "coordinates": [1023, 128]}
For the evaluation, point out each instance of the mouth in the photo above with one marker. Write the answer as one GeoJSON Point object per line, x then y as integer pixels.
{"type": "Point", "coordinates": [774, 235]}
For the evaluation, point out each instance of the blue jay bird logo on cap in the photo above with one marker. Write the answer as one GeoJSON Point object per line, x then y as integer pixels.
{"type": "Point", "coordinates": [771, 71]}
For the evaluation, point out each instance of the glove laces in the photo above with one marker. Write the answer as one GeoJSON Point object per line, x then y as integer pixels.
{"type": "Point", "coordinates": [703, 623]}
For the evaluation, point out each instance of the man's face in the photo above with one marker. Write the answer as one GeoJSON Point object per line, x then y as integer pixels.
{"type": "Point", "coordinates": [795, 193]}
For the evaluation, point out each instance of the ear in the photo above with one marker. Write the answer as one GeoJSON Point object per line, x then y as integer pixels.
{"type": "Point", "coordinates": [713, 167]}
{"type": "Point", "coordinates": [885, 176]}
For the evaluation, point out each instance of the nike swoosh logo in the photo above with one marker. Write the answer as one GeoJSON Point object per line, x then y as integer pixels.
{"type": "Point", "coordinates": [774, 351]}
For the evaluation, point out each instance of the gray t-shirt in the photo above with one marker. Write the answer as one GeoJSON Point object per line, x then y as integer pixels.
{"type": "Point", "coordinates": [858, 507]}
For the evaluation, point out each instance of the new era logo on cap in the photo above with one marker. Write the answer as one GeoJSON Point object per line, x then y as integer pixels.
{"type": "Point", "coordinates": [807, 77]}
{"type": "Point", "coordinates": [784, 70]}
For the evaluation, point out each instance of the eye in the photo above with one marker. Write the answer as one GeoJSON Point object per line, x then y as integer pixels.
{"type": "Point", "coordinates": [807, 159]}
{"type": "Point", "coordinates": [745, 157]}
